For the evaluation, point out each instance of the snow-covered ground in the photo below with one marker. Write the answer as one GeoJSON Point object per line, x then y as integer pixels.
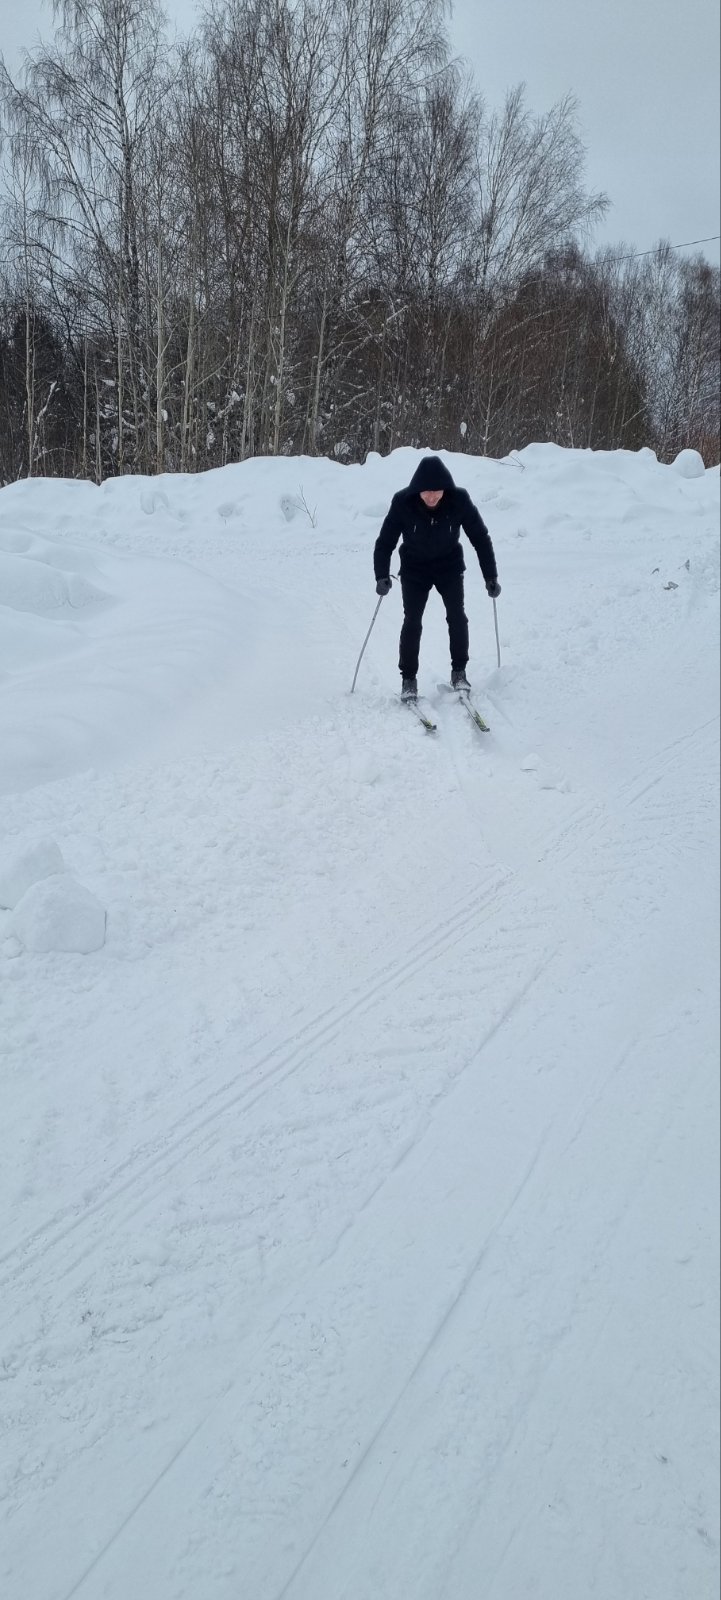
{"type": "Point", "coordinates": [358, 1184]}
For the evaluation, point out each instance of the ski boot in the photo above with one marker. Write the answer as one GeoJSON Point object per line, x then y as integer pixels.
{"type": "Point", "coordinates": [459, 681]}
{"type": "Point", "coordinates": [409, 689]}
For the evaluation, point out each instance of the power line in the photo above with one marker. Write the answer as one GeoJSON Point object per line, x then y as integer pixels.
{"type": "Point", "coordinates": [711, 239]}
{"type": "Point", "coordinates": [634, 256]}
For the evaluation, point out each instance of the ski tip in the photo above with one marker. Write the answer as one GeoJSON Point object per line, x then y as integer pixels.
{"type": "Point", "coordinates": [464, 697]}
{"type": "Point", "coordinates": [430, 727]}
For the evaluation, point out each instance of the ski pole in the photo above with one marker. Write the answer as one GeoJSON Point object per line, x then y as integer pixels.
{"type": "Point", "coordinates": [365, 641]}
{"type": "Point", "coordinates": [498, 642]}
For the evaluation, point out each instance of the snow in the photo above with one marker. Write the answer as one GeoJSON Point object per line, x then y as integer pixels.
{"type": "Point", "coordinates": [689, 464]}
{"type": "Point", "coordinates": [24, 867]}
{"type": "Point", "coordinates": [59, 914]}
{"type": "Point", "coordinates": [358, 1191]}
{"type": "Point", "coordinates": [94, 645]}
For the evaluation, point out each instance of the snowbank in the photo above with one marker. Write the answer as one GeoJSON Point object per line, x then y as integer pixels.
{"type": "Point", "coordinates": [97, 649]}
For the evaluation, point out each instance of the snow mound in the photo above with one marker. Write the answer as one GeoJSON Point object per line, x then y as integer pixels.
{"type": "Point", "coordinates": [97, 647]}
{"type": "Point", "coordinates": [689, 464]}
{"type": "Point", "coordinates": [20, 869]}
{"type": "Point", "coordinates": [59, 914]}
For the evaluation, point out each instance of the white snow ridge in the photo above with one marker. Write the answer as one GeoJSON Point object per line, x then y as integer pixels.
{"type": "Point", "coordinates": [360, 1116]}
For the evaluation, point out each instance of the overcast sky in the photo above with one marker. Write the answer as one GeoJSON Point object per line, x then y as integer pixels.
{"type": "Point", "coordinates": [645, 73]}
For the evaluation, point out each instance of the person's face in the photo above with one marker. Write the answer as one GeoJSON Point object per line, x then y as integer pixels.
{"type": "Point", "coordinates": [431, 497]}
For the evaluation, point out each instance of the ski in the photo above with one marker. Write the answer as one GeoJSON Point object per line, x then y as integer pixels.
{"type": "Point", "coordinates": [473, 712]}
{"type": "Point", "coordinates": [470, 709]}
{"type": "Point", "coordinates": [425, 721]}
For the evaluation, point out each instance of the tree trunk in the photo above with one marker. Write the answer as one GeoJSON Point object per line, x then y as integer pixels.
{"type": "Point", "coordinates": [29, 381]}
{"type": "Point", "coordinates": [280, 365]}
{"type": "Point", "coordinates": [98, 439]}
{"type": "Point", "coordinates": [188, 382]}
{"type": "Point", "coordinates": [121, 387]}
{"type": "Point", "coordinates": [317, 380]}
{"type": "Point", "coordinates": [84, 463]}
{"type": "Point", "coordinates": [159, 370]}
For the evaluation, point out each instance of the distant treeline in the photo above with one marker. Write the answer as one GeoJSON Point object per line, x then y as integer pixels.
{"type": "Point", "coordinates": [303, 230]}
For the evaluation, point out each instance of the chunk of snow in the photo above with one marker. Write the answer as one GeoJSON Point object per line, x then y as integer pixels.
{"type": "Point", "coordinates": [20, 869]}
{"type": "Point", "coordinates": [59, 914]}
{"type": "Point", "coordinates": [689, 464]}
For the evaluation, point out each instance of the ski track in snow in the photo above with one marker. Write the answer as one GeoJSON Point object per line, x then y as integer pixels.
{"type": "Point", "coordinates": [358, 1239]}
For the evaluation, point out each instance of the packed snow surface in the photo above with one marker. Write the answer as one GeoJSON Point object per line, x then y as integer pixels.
{"type": "Point", "coordinates": [358, 1199]}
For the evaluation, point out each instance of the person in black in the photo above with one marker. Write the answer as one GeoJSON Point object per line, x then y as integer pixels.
{"type": "Point", "coordinates": [428, 517]}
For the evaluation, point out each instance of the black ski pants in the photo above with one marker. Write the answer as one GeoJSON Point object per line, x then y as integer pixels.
{"type": "Point", "coordinates": [415, 588]}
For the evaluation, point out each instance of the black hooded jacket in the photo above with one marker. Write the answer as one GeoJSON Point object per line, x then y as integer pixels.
{"type": "Point", "coordinates": [432, 539]}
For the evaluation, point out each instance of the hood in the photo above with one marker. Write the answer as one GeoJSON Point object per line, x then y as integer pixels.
{"type": "Point", "coordinates": [430, 474]}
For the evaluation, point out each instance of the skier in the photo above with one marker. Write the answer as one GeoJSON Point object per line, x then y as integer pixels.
{"type": "Point", "coordinates": [429, 515]}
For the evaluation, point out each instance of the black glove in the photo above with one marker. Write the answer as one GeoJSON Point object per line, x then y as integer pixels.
{"type": "Point", "coordinates": [494, 589]}
{"type": "Point", "coordinates": [383, 586]}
